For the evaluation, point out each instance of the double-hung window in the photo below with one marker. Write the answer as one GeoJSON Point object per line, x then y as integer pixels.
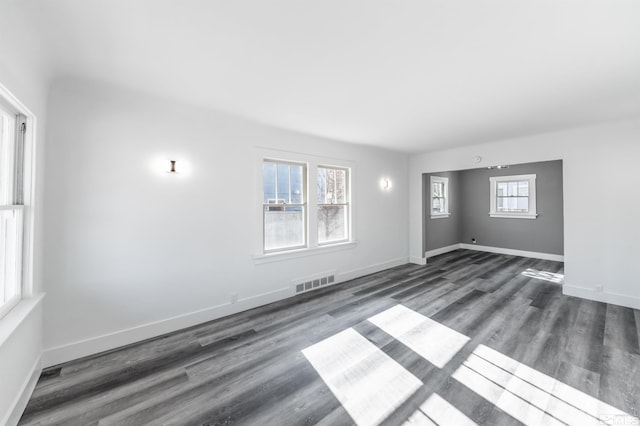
{"type": "Point", "coordinates": [284, 205]}
{"type": "Point", "coordinates": [513, 197]}
{"type": "Point", "coordinates": [12, 128]}
{"type": "Point", "coordinates": [333, 204]}
{"type": "Point", "coordinates": [439, 197]}
{"type": "Point", "coordinates": [306, 204]}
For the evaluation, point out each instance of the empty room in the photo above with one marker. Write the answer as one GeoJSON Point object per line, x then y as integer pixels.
{"type": "Point", "coordinates": [325, 212]}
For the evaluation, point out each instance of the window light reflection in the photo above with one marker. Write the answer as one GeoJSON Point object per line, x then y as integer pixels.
{"type": "Point", "coordinates": [434, 342]}
{"type": "Point", "coordinates": [531, 396]}
{"type": "Point", "coordinates": [368, 383]}
{"type": "Point", "coordinates": [543, 275]}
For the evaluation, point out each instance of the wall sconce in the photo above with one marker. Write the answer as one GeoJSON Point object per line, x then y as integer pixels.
{"type": "Point", "coordinates": [385, 184]}
{"type": "Point", "coordinates": [172, 167]}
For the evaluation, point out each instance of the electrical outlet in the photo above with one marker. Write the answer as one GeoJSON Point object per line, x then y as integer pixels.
{"type": "Point", "coordinates": [234, 298]}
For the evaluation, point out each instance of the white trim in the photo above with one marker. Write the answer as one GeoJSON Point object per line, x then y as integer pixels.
{"type": "Point", "coordinates": [22, 398]}
{"type": "Point", "coordinates": [293, 254]}
{"type": "Point", "coordinates": [93, 345]}
{"type": "Point", "coordinates": [12, 320]}
{"type": "Point", "coordinates": [445, 191]}
{"type": "Point", "coordinates": [440, 216]}
{"type": "Point", "coordinates": [441, 250]}
{"type": "Point", "coordinates": [602, 296]}
{"type": "Point", "coordinates": [371, 269]}
{"type": "Point", "coordinates": [418, 260]}
{"type": "Point", "coordinates": [493, 209]}
{"type": "Point", "coordinates": [514, 215]}
{"type": "Point", "coordinates": [523, 253]}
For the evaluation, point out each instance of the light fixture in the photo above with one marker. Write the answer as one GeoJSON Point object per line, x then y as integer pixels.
{"type": "Point", "coordinates": [385, 184]}
{"type": "Point", "coordinates": [172, 168]}
{"type": "Point", "coordinates": [504, 166]}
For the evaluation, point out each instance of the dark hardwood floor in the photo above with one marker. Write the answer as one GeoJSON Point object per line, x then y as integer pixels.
{"type": "Point", "coordinates": [471, 337]}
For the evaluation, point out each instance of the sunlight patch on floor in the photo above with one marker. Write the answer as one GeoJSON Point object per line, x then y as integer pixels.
{"type": "Point", "coordinates": [543, 275]}
{"type": "Point", "coordinates": [529, 395]}
{"type": "Point", "coordinates": [434, 342]}
{"type": "Point", "coordinates": [368, 383]}
{"type": "Point", "coordinates": [436, 411]}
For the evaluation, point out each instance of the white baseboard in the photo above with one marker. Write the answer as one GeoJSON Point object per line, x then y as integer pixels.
{"type": "Point", "coordinates": [418, 260]}
{"type": "Point", "coordinates": [93, 345]}
{"type": "Point", "coordinates": [22, 398]}
{"type": "Point", "coordinates": [523, 253]}
{"type": "Point", "coordinates": [372, 269]}
{"type": "Point", "coordinates": [441, 250]}
{"type": "Point", "coordinates": [79, 349]}
{"type": "Point", "coordinates": [602, 296]}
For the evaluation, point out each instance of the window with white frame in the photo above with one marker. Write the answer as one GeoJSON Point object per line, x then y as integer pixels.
{"type": "Point", "coordinates": [284, 205]}
{"type": "Point", "coordinates": [306, 204]}
{"type": "Point", "coordinates": [12, 129]}
{"type": "Point", "coordinates": [439, 197]}
{"type": "Point", "coordinates": [513, 197]}
{"type": "Point", "coordinates": [332, 204]}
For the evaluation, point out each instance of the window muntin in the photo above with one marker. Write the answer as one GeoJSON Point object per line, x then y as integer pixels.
{"type": "Point", "coordinates": [439, 190]}
{"type": "Point", "coordinates": [284, 205]}
{"type": "Point", "coordinates": [11, 209]}
{"type": "Point", "coordinates": [332, 204]}
{"type": "Point", "coordinates": [513, 196]}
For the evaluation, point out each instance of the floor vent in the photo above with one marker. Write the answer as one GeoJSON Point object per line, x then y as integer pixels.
{"type": "Point", "coordinates": [313, 283]}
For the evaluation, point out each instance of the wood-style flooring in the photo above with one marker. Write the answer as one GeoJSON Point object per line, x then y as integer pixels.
{"type": "Point", "coordinates": [472, 337]}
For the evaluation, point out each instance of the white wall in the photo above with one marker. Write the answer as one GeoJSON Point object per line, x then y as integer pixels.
{"type": "Point", "coordinates": [128, 248]}
{"type": "Point", "coordinates": [601, 202]}
{"type": "Point", "coordinates": [23, 74]}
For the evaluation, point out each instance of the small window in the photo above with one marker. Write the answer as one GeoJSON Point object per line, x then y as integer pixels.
{"type": "Point", "coordinates": [513, 197]}
{"type": "Point", "coordinates": [333, 204]}
{"type": "Point", "coordinates": [439, 197]}
{"type": "Point", "coordinates": [284, 205]}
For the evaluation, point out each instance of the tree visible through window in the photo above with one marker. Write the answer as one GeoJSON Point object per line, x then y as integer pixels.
{"type": "Point", "coordinates": [333, 204]}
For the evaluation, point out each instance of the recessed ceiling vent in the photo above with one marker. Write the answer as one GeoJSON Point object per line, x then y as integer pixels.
{"type": "Point", "coordinates": [314, 283]}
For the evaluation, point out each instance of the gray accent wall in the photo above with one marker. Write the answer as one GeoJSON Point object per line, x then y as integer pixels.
{"type": "Point", "coordinates": [444, 231]}
{"type": "Point", "coordinates": [470, 212]}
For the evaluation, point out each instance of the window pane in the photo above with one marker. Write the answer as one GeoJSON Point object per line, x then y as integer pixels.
{"type": "Point", "coordinates": [9, 244]}
{"type": "Point", "coordinates": [437, 205]}
{"type": "Point", "coordinates": [523, 204]}
{"type": "Point", "coordinates": [332, 186]}
{"type": "Point", "coordinates": [340, 186]}
{"type": "Point", "coordinates": [332, 223]}
{"type": "Point", "coordinates": [283, 227]}
{"type": "Point", "coordinates": [502, 189]}
{"type": "Point", "coordinates": [269, 182]}
{"type": "Point", "coordinates": [513, 189]}
{"type": "Point", "coordinates": [283, 182]}
{"type": "Point", "coordinates": [501, 205]}
{"type": "Point", "coordinates": [438, 189]}
{"type": "Point", "coordinates": [297, 180]}
{"type": "Point", "coordinates": [523, 188]}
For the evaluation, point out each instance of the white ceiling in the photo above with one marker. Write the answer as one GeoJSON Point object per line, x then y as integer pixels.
{"type": "Point", "coordinates": [405, 75]}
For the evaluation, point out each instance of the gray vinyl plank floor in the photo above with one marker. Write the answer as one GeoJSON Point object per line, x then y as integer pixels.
{"type": "Point", "coordinates": [479, 338]}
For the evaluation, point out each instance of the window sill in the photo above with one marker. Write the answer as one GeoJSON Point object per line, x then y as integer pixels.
{"type": "Point", "coordinates": [440, 216]}
{"type": "Point", "coordinates": [294, 254]}
{"type": "Point", "coordinates": [514, 216]}
{"type": "Point", "coordinates": [12, 320]}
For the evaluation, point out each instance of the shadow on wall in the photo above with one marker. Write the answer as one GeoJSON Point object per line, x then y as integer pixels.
{"type": "Point", "coordinates": [515, 207]}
